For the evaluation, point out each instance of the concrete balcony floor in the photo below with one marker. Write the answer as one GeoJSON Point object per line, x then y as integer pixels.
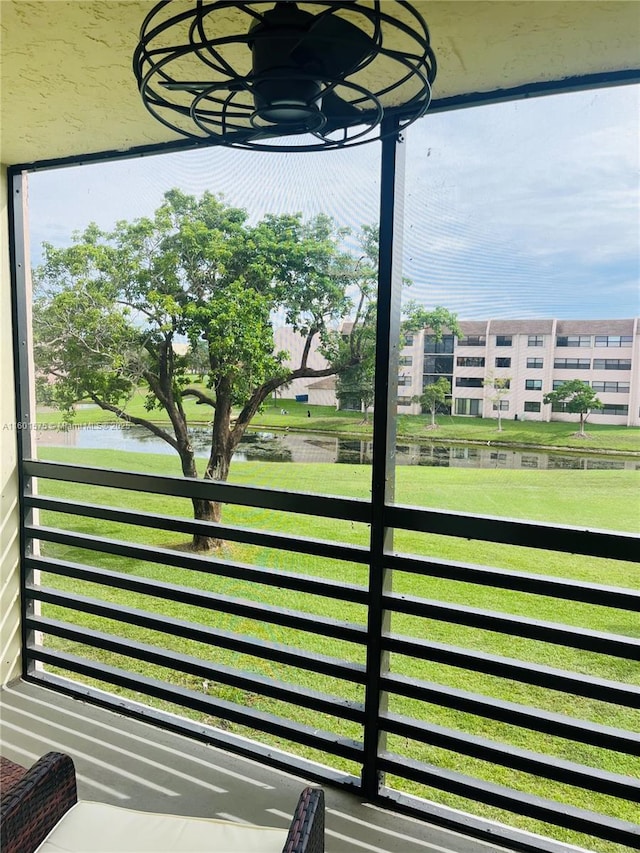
{"type": "Point", "coordinates": [133, 764]}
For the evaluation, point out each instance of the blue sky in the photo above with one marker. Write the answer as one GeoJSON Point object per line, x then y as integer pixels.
{"type": "Point", "coordinates": [525, 209]}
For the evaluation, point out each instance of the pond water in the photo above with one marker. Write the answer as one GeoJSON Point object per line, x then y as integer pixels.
{"type": "Point", "coordinates": [315, 447]}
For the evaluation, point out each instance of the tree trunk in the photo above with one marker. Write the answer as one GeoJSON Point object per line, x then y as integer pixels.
{"type": "Point", "coordinates": [217, 469]}
{"type": "Point", "coordinates": [203, 510]}
{"type": "Point", "coordinates": [582, 432]}
{"type": "Point", "coordinates": [433, 416]}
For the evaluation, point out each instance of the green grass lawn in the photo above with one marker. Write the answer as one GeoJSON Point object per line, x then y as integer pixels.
{"type": "Point", "coordinates": [607, 499]}
{"type": "Point", "coordinates": [601, 437]}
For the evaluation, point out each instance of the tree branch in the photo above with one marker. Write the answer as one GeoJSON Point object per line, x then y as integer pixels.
{"type": "Point", "coordinates": [307, 347]}
{"type": "Point", "coordinates": [203, 399]}
{"type": "Point", "coordinates": [262, 392]}
{"type": "Point", "coordinates": [132, 419]}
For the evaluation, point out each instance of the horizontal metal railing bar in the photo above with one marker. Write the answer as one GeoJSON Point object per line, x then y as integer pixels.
{"type": "Point", "coordinates": [192, 562]}
{"type": "Point", "coordinates": [501, 836]}
{"type": "Point", "coordinates": [201, 732]}
{"type": "Point", "coordinates": [507, 755]}
{"type": "Point", "coordinates": [530, 805]}
{"type": "Point", "coordinates": [515, 670]}
{"type": "Point", "coordinates": [277, 652]}
{"type": "Point", "coordinates": [571, 590]}
{"type": "Point", "coordinates": [345, 709]}
{"type": "Point", "coordinates": [511, 531]}
{"type": "Point", "coordinates": [321, 625]}
{"type": "Point", "coordinates": [516, 626]}
{"type": "Point", "coordinates": [248, 536]}
{"type": "Point", "coordinates": [535, 584]}
{"type": "Point", "coordinates": [269, 723]}
{"type": "Point", "coordinates": [512, 713]}
{"type": "Point", "coordinates": [349, 509]}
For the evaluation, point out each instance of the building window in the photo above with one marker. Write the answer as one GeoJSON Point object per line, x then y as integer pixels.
{"type": "Point", "coordinates": [404, 380]}
{"type": "Point", "coordinates": [501, 383]}
{"type": "Point", "coordinates": [405, 361]}
{"type": "Point", "coordinates": [470, 361]}
{"type": "Point", "coordinates": [614, 340]}
{"type": "Point", "coordinates": [445, 344]}
{"type": "Point", "coordinates": [503, 362]}
{"type": "Point", "coordinates": [534, 362]}
{"type": "Point", "coordinates": [470, 406]}
{"type": "Point", "coordinates": [573, 363]}
{"type": "Point", "coordinates": [612, 409]}
{"type": "Point", "coordinates": [533, 384]}
{"type": "Point", "coordinates": [531, 406]}
{"type": "Point", "coordinates": [404, 401]}
{"type": "Point", "coordinates": [469, 382]}
{"type": "Point", "coordinates": [611, 387]}
{"type": "Point", "coordinates": [472, 341]}
{"type": "Point", "coordinates": [435, 366]}
{"type": "Point", "coordinates": [558, 383]}
{"type": "Point", "coordinates": [559, 407]}
{"type": "Point", "coordinates": [408, 340]}
{"type": "Point", "coordinates": [535, 341]}
{"type": "Point", "coordinates": [501, 406]}
{"type": "Point", "coordinates": [612, 364]}
{"type": "Point", "coordinates": [573, 341]}
{"type": "Point", "coordinates": [503, 340]}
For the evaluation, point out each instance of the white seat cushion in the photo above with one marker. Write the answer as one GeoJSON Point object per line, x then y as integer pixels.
{"type": "Point", "coordinates": [100, 828]}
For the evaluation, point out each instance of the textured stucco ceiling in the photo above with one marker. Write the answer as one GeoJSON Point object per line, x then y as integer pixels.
{"type": "Point", "coordinates": [68, 87]}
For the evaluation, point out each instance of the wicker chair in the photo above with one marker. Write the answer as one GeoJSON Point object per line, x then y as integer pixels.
{"type": "Point", "coordinates": [35, 801]}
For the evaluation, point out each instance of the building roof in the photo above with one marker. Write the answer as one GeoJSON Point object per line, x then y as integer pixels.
{"type": "Point", "coordinates": [595, 327]}
{"type": "Point", "coordinates": [327, 383]}
{"type": "Point", "coordinates": [532, 326]}
{"type": "Point", "coordinates": [473, 327]}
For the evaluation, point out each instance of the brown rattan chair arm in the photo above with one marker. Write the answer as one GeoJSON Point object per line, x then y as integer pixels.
{"type": "Point", "coordinates": [32, 807]}
{"type": "Point", "coordinates": [306, 833]}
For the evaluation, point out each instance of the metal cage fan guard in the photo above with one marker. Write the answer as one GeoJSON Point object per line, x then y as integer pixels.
{"type": "Point", "coordinates": [331, 70]}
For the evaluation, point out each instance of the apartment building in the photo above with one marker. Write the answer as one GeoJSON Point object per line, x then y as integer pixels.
{"type": "Point", "coordinates": [535, 357]}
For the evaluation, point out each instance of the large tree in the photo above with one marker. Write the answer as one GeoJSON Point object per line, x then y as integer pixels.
{"type": "Point", "coordinates": [436, 321]}
{"type": "Point", "coordinates": [356, 346]}
{"type": "Point", "coordinates": [579, 398]}
{"type": "Point", "coordinates": [357, 381]}
{"type": "Point", "coordinates": [109, 309]}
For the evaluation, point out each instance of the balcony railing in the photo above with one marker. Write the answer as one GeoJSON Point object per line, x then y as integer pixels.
{"type": "Point", "coordinates": [368, 697]}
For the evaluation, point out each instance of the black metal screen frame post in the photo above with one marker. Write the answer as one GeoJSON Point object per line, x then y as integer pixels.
{"type": "Point", "coordinates": [24, 424]}
{"type": "Point", "coordinates": [384, 442]}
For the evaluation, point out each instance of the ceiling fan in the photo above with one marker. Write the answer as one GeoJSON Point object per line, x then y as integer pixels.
{"type": "Point", "coordinates": [284, 75]}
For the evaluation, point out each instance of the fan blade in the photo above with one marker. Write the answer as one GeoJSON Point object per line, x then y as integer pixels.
{"type": "Point", "coordinates": [335, 45]}
{"type": "Point", "coordinates": [339, 113]}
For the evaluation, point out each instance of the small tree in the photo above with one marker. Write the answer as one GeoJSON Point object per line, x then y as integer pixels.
{"type": "Point", "coordinates": [357, 382]}
{"type": "Point", "coordinates": [433, 396]}
{"type": "Point", "coordinates": [499, 388]}
{"type": "Point", "coordinates": [580, 399]}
